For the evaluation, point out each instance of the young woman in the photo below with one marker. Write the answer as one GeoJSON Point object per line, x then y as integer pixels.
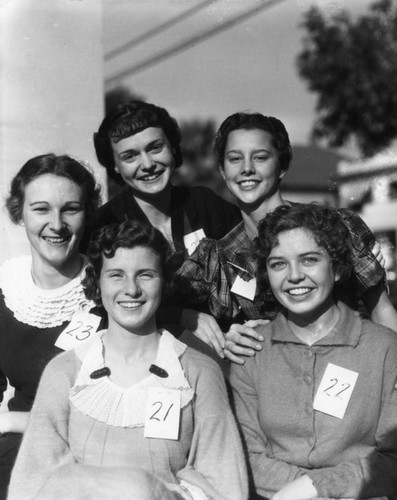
{"type": "Point", "coordinates": [139, 145]}
{"type": "Point", "coordinates": [254, 154]}
{"type": "Point", "coordinates": [52, 197]}
{"type": "Point", "coordinates": [136, 409]}
{"type": "Point", "coordinates": [318, 404]}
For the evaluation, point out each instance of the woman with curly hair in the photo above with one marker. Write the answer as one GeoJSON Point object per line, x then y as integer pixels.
{"type": "Point", "coordinates": [51, 197]}
{"type": "Point", "coordinates": [135, 413]}
{"type": "Point", "coordinates": [318, 404]}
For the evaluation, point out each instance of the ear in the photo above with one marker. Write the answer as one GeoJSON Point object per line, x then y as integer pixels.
{"type": "Point", "coordinates": [116, 169]}
{"type": "Point", "coordinates": [281, 174]}
{"type": "Point", "coordinates": [221, 171]}
{"type": "Point", "coordinates": [337, 275]}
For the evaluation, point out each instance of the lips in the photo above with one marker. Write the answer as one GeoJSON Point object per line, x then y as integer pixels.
{"type": "Point", "coordinates": [299, 292]}
{"type": "Point", "coordinates": [57, 240]}
{"type": "Point", "coordinates": [151, 177]}
{"type": "Point", "coordinates": [131, 305]}
{"type": "Point", "coordinates": [248, 184]}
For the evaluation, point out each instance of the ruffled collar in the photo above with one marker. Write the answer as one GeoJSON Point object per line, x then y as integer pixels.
{"type": "Point", "coordinates": [102, 400]}
{"type": "Point", "coordinates": [35, 306]}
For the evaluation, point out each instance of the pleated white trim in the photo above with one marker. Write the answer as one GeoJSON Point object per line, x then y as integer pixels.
{"type": "Point", "coordinates": [102, 400]}
{"type": "Point", "coordinates": [35, 306]}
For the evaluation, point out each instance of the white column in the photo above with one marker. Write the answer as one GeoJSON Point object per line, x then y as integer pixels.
{"type": "Point", "coordinates": [51, 89]}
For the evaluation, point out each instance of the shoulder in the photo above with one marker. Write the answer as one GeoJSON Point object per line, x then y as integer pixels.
{"type": "Point", "coordinates": [63, 366]}
{"type": "Point", "coordinates": [115, 207]}
{"type": "Point", "coordinates": [198, 366]}
{"type": "Point", "coordinates": [378, 336]}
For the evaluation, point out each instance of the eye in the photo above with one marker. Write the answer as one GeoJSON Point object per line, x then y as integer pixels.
{"type": "Point", "coordinates": [310, 260]}
{"type": "Point", "coordinates": [147, 275]}
{"type": "Point", "coordinates": [277, 265]}
{"type": "Point", "coordinates": [261, 157]}
{"type": "Point", "coordinates": [157, 148]}
{"type": "Point", "coordinates": [115, 275]}
{"type": "Point", "coordinates": [128, 157]}
{"type": "Point", "coordinates": [72, 209]}
{"type": "Point", "coordinates": [41, 210]}
{"type": "Point", "coordinates": [234, 159]}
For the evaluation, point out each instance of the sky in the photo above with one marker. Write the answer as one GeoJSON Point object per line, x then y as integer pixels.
{"type": "Point", "coordinates": [251, 66]}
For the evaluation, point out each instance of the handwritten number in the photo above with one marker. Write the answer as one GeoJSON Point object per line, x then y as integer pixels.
{"type": "Point", "coordinates": [77, 327]}
{"type": "Point", "coordinates": [153, 417]}
{"type": "Point", "coordinates": [335, 381]}
{"type": "Point", "coordinates": [343, 390]}
{"type": "Point", "coordinates": [87, 330]}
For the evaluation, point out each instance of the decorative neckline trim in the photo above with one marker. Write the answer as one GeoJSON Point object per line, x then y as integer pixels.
{"type": "Point", "coordinates": [36, 306]}
{"type": "Point", "coordinates": [103, 400]}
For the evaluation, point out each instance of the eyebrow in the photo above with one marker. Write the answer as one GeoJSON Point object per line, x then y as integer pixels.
{"type": "Point", "coordinates": [259, 150]}
{"type": "Point", "coordinates": [148, 146]}
{"type": "Point", "coordinates": [315, 252]}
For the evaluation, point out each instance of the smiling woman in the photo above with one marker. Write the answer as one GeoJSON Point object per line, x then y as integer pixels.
{"type": "Point", "coordinates": [51, 196]}
{"type": "Point", "coordinates": [139, 145]}
{"type": "Point", "coordinates": [135, 413]}
{"type": "Point", "coordinates": [318, 405]}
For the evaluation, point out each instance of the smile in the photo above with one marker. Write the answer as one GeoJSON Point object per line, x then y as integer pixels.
{"type": "Point", "coordinates": [151, 177]}
{"type": "Point", "coordinates": [56, 240]}
{"type": "Point", "coordinates": [130, 305]}
{"type": "Point", "coordinates": [298, 292]}
{"type": "Point", "coordinates": [248, 184]}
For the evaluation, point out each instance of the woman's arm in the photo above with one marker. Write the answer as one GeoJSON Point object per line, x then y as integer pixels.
{"type": "Point", "coordinates": [269, 474]}
{"type": "Point", "coordinates": [216, 462]}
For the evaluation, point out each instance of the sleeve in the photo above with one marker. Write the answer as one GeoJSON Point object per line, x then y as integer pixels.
{"type": "Point", "coordinates": [216, 462]}
{"type": "Point", "coordinates": [373, 475]}
{"type": "Point", "coordinates": [367, 270]}
{"type": "Point", "coordinates": [44, 447]}
{"type": "Point", "coordinates": [3, 385]}
{"type": "Point", "coordinates": [269, 474]}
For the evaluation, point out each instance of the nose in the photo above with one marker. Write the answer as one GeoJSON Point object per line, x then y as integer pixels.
{"type": "Point", "coordinates": [132, 287]}
{"type": "Point", "coordinates": [295, 273]}
{"type": "Point", "coordinates": [56, 222]}
{"type": "Point", "coordinates": [147, 162]}
{"type": "Point", "coordinates": [247, 167]}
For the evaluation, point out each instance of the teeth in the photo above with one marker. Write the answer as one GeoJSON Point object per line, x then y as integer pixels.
{"type": "Point", "coordinates": [299, 291]}
{"type": "Point", "coordinates": [248, 183]}
{"type": "Point", "coordinates": [130, 305]}
{"type": "Point", "coordinates": [151, 177]}
{"type": "Point", "coordinates": [55, 240]}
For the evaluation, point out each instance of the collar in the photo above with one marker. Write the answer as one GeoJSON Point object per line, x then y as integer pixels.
{"type": "Point", "coordinates": [102, 400]}
{"type": "Point", "coordinates": [346, 332]}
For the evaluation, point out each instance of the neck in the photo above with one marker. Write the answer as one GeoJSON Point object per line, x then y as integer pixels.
{"type": "Point", "coordinates": [129, 346]}
{"type": "Point", "coordinates": [253, 214]}
{"type": "Point", "coordinates": [310, 329]}
{"type": "Point", "coordinates": [156, 208]}
{"type": "Point", "coordinates": [48, 276]}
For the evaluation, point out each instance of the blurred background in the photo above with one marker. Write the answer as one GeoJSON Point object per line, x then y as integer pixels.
{"type": "Point", "coordinates": [326, 68]}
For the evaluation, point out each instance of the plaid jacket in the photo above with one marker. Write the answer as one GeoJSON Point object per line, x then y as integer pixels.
{"type": "Point", "coordinates": [206, 277]}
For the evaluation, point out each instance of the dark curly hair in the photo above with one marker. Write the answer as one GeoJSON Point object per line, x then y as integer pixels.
{"type": "Point", "coordinates": [323, 222]}
{"type": "Point", "coordinates": [128, 234]}
{"type": "Point", "coordinates": [129, 119]}
{"type": "Point", "coordinates": [61, 166]}
{"type": "Point", "coordinates": [252, 121]}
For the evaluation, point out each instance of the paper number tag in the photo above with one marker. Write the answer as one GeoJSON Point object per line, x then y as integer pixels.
{"type": "Point", "coordinates": [335, 390]}
{"type": "Point", "coordinates": [162, 413]}
{"type": "Point", "coordinates": [192, 240]}
{"type": "Point", "coordinates": [81, 328]}
{"type": "Point", "coordinates": [244, 288]}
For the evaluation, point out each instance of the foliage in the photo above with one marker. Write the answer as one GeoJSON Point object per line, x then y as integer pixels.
{"type": "Point", "coordinates": [352, 66]}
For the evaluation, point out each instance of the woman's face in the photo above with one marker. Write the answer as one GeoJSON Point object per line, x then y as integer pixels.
{"type": "Point", "coordinates": [301, 274]}
{"type": "Point", "coordinates": [53, 215]}
{"type": "Point", "coordinates": [251, 167]}
{"type": "Point", "coordinates": [145, 161]}
{"type": "Point", "coordinates": [131, 284]}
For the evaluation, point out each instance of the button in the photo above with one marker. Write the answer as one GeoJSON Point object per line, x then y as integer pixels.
{"type": "Point", "coordinates": [309, 353]}
{"type": "Point", "coordinates": [308, 379]}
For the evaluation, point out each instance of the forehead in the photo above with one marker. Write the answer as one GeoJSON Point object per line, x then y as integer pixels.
{"type": "Point", "coordinates": [131, 259]}
{"type": "Point", "coordinates": [52, 188]}
{"type": "Point", "coordinates": [296, 241]}
{"type": "Point", "coordinates": [254, 138]}
{"type": "Point", "coordinates": [140, 139]}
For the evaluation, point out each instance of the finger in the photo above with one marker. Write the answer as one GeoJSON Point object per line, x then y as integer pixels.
{"type": "Point", "coordinates": [253, 323]}
{"type": "Point", "coordinates": [233, 358]}
{"type": "Point", "coordinates": [242, 340]}
{"type": "Point", "coordinates": [239, 349]}
{"type": "Point", "coordinates": [207, 335]}
{"type": "Point", "coordinates": [248, 332]}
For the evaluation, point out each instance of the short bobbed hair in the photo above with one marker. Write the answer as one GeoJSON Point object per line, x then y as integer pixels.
{"type": "Point", "coordinates": [252, 121]}
{"type": "Point", "coordinates": [130, 119]}
{"type": "Point", "coordinates": [128, 234]}
{"type": "Point", "coordinates": [61, 166]}
{"type": "Point", "coordinates": [322, 222]}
